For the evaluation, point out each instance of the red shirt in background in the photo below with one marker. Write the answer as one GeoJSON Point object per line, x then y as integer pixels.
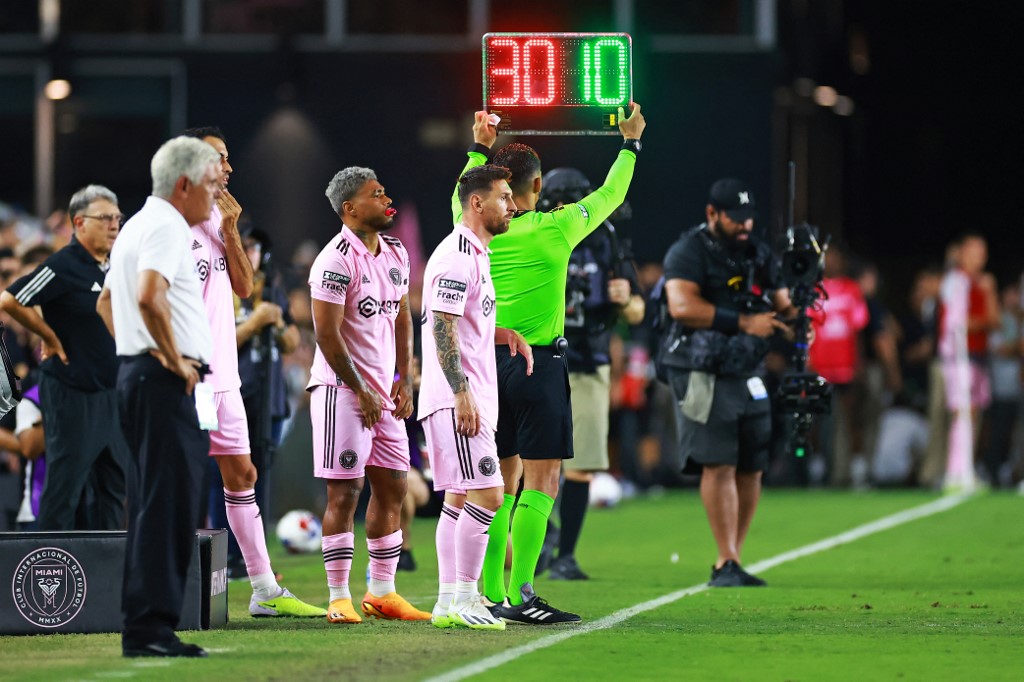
{"type": "Point", "coordinates": [977, 308]}
{"type": "Point", "coordinates": [834, 352]}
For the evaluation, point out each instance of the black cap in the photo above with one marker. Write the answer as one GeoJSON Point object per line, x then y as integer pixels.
{"type": "Point", "coordinates": [733, 197]}
{"type": "Point", "coordinates": [562, 185]}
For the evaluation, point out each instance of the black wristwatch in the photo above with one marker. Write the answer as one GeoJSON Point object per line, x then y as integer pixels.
{"type": "Point", "coordinates": [632, 145]}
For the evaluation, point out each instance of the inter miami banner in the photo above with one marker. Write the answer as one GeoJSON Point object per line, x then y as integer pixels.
{"type": "Point", "coordinates": [71, 582]}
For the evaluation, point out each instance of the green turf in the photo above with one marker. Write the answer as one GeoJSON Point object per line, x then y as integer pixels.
{"type": "Point", "coordinates": [938, 598]}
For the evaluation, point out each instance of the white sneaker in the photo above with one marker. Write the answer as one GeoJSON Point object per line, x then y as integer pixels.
{"type": "Point", "coordinates": [475, 615]}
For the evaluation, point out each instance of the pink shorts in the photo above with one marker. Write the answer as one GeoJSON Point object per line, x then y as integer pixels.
{"type": "Point", "coordinates": [232, 434]}
{"type": "Point", "coordinates": [954, 373]}
{"type": "Point", "coordinates": [342, 446]}
{"type": "Point", "coordinates": [460, 463]}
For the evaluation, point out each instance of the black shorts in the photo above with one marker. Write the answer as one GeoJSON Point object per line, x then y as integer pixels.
{"type": "Point", "coordinates": [738, 432]}
{"type": "Point", "coordinates": [534, 413]}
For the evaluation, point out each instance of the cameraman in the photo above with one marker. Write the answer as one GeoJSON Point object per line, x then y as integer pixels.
{"type": "Point", "coordinates": [600, 288]}
{"type": "Point", "coordinates": [725, 303]}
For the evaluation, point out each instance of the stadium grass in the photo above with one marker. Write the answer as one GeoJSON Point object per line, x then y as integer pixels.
{"type": "Point", "coordinates": [935, 599]}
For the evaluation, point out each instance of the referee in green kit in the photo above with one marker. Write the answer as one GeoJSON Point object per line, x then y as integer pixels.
{"type": "Point", "coordinates": [529, 265]}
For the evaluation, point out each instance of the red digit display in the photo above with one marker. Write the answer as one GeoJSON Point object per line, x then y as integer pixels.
{"type": "Point", "coordinates": [557, 83]}
{"type": "Point", "coordinates": [540, 73]}
{"type": "Point", "coordinates": [507, 50]}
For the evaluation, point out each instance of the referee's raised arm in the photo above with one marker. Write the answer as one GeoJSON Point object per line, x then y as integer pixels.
{"type": "Point", "coordinates": [593, 209]}
{"type": "Point", "coordinates": [484, 135]}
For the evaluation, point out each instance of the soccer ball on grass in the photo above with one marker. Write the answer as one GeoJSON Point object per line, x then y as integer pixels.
{"type": "Point", "coordinates": [299, 531]}
{"type": "Point", "coordinates": [605, 490]}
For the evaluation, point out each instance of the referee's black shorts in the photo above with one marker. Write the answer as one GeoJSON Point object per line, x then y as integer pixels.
{"type": "Point", "coordinates": [534, 413]}
{"type": "Point", "coordinates": [738, 431]}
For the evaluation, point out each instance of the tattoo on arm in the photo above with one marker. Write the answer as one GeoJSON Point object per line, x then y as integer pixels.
{"type": "Point", "coordinates": [448, 354]}
{"type": "Point", "coordinates": [398, 475]}
{"type": "Point", "coordinates": [347, 371]}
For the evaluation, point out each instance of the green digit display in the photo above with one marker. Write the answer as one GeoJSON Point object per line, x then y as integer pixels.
{"type": "Point", "coordinates": [593, 81]}
{"type": "Point", "coordinates": [620, 58]}
{"type": "Point", "coordinates": [587, 91]}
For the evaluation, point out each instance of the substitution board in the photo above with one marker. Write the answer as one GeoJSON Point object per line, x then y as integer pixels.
{"type": "Point", "coordinates": [557, 83]}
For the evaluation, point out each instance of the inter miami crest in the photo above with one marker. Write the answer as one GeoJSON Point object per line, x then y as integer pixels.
{"type": "Point", "coordinates": [396, 276]}
{"type": "Point", "coordinates": [348, 459]}
{"type": "Point", "coordinates": [488, 466]}
{"type": "Point", "coordinates": [49, 587]}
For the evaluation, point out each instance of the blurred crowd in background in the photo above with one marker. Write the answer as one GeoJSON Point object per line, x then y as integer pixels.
{"type": "Point", "coordinates": [879, 348]}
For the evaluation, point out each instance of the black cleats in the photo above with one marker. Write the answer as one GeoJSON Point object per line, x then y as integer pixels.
{"type": "Point", "coordinates": [533, 611]}
{"type": "Point", "coordinates": [566, 568]}
{"type": "Point", "coordinates": [732, 575]}
{"type": "Point", "coordinates": [171, 648]}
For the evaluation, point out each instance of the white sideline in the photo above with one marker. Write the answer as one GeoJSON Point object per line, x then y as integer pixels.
{"type": "Point", "coordinates": [611, 620]}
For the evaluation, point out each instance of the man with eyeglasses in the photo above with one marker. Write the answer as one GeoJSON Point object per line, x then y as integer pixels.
{"type": "Point", "coordinates": [84, 441]}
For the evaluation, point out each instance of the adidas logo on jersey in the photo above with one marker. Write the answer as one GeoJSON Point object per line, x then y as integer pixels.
{"type": "Point", "coordinates": [196, 244]}
{"type": "Point", "coordinates": [365, 280]}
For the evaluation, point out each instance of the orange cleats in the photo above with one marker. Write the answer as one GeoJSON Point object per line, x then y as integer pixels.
{"type": "Point", "coordinates": [392, 606]}
{"type": "Point", "coordinates": [342, 611]}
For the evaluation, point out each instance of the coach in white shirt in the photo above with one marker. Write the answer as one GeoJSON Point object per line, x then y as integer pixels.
{"type": "Point", "coordinates": [152, 305]}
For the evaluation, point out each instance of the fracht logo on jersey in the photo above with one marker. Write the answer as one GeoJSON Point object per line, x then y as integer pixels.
{"type": "Point", "coordinates": [335, 281]}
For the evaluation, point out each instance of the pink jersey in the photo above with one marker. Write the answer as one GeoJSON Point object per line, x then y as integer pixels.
{"type": "Point", "coordinates": [954, 296]}
{"type": "Point", "coordinates": [371, 288]}
{"type": "Point", "coordinates": [212, 268]}
{"type": "Point", "coordinates": [457, 280]}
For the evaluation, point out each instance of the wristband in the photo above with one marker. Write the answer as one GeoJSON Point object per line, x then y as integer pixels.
{"type": "Point", "coordinates": [726, 321]}
{"type": "Point", "coordinates": [480, 149]}
{"type": "Point", "coordinates": [632, 145]}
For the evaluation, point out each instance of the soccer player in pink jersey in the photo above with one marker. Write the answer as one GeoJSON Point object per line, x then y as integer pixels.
{"type": "Point", "coordinates": [459, 393]}
{"type": "Point", "coordinates": [223, 267]}
{"type": "Point", "coordinates": [359, 286]}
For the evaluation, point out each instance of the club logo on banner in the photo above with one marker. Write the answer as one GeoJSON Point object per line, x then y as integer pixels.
{"type": "Point", "coordinates": [49, 587]}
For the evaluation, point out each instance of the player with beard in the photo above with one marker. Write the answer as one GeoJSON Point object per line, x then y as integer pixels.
{"type": "Point", "coordinates": [223, 267]}
{"type": "Point", "coordinates": [459, 393]}
{"type": "Point", "coordinates": [359, 286]}
{"type": "Point", "coordinates": [725, 302]}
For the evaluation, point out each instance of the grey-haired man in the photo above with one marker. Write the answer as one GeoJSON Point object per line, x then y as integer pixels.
{"type": "Point", "coordinates": [153, 306]}
{"type": "Point", "coordinates": [84, 442]}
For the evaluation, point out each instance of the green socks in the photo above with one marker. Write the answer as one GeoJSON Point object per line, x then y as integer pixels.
{"type": "Point", "coordinates": [528, 529]}
{"type": "Point", "coordinates": [492, 576]}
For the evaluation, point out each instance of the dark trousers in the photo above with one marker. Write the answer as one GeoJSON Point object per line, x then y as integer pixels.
{"type": "Point", "coordinates": [165, 481]}
{"type": "Point", "coordinates": [84, 445]}
{"type": "Point", "coordinates": [1002, 419]}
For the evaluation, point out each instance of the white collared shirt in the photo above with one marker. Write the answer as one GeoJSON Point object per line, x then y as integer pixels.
{"type": "Point", "coordinates": [157, 238]}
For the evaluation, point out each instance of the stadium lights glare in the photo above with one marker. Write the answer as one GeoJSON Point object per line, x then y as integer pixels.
{"type": "Point", "coordinates": [825, 95]}
{"type": "Point", "coordinates": [57, 89]}
{"type": "Point", "coordinates": [843, 106]}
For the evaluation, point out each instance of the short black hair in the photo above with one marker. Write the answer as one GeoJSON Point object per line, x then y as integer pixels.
{"type": "Point", "coordinates": [205, 131]}
{"type": "Point", "coordinates": [36, 255]}
{"type": "Point", "coordinates": [479, 179]}
{"type": "Point", "coordinates": [522, 161]}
